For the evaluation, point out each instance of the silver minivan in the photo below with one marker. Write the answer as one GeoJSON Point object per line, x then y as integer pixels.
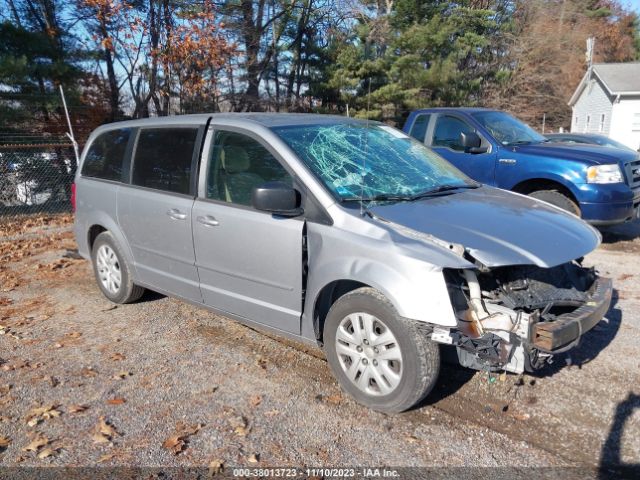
{"type": "Point", "coordinates": [344, 233]}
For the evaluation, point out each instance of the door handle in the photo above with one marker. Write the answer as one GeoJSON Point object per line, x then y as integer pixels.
{"type": "Point", "coordinates": [208, 221]}
{"type": "Point", "coordinates": [176, 214]}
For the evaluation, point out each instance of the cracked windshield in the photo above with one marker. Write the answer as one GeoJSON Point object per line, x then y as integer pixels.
{"type": "Point", "coordinates": [373, 162]}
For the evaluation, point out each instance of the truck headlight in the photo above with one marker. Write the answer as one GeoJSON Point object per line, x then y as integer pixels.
{"type": "Point", "coordinates": [604, 174]}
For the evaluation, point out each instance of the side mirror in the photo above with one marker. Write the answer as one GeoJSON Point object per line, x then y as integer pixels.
{"type": "Point", "coordinates": [277, 198]}
{"type": "Point", "coordinates": [471, 142]}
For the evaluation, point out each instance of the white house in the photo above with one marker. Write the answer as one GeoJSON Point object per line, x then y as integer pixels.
{"type": "Point", "coordinates": [607, 101]}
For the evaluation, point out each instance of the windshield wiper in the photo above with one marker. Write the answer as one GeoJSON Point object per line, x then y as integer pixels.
{"type": "Point", "coordinates": [383, 197]}
{"type": "Point", "coordinates": [442, 189]}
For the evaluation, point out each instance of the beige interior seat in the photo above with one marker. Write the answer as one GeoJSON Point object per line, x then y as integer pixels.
{"type": "Point", "coordinates": [237, 181]}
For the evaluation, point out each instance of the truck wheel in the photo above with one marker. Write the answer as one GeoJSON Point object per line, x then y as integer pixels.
{"type": "Point", "coordinates": [558, 199]}
{"type": "Point", "coordinates": [112, 272]}
{"type": "Point", "coordinates": [380, 358]}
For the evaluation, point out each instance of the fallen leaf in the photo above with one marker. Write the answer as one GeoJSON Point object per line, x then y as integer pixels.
{"type": "Point", "coordinates": [4, 389]}
{"type": "Point", "coordinates": [216, 466]}
{"type": "Point", "coordinates": [88, 372]}
{"type": "Point", "coordinates": [77, 408]}
{"type": "Point", "coordinates": [74, 334]}
{"type": "Point", "coordinates": [46, 452]}
{"type": "Point", "coordinates": [261, 362]}
{"type": "Point", "coordinates": [38, 442]}
{"type": "Point", "coordinates": [35, 415]}
{"type": "Point", "coordinates": [255, 400]}
{"type": "Point", "coordinates": [106, 457]}
{"type": "Point", "coordinates": [241, 431]}
{"type": "Point", "coordinates": [253, 458]}
{"type": "Point", "coordinates": [103, 432]}
{"type": "Point", "coordinates": [116, 401]}
{"type": "Point", "coordinates": [4, 443]}
{"type": "Point", "coordinates": [175, 443]}
{"type": "Point", "coordinates": [58, 345]}
{"type": "Point", "coordinates": [122, 375]}
{"type": "Point", "coordinates": [116, 357]}
{"type": "Point", "coordinates": [334, 399]}
{"type": "Point", "coordinates": [178, 442]}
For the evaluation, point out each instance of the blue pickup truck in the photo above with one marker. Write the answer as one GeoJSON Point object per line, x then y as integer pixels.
{"type": "Point", "coordinates": [599, 184]}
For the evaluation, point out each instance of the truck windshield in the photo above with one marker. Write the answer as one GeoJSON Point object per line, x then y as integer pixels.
{"type": "Point", "coordinates": [370, 162]}
{"type": "Point", "coordinates": [508, 130]}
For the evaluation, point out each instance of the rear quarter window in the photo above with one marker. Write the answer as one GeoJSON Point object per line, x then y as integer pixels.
{"type": "Point", "coordinates": [106, 154]}
{"type": "Point", "coordinates": [163, 159]}
{"type": "Point", "coordinates": [419, 127]}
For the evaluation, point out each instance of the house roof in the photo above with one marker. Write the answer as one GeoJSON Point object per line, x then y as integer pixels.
{"type": "Point", "coordinates": [616, 78]}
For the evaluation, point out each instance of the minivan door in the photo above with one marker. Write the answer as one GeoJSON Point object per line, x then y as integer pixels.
{"type": "Point", "coordinates": [154, 210]}
{"type": "Point", "coordinates": [249, 262]}
{"type": "Point", "coordinates": [445, 141]}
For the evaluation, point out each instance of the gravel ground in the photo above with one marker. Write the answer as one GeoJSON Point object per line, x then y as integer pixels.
{"type": "Point", "coordinates": [163, 383]}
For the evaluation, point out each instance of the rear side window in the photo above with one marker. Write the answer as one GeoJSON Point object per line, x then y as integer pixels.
{"type": "Point", "coordinates": [419, 127]}
{"type": "Point", "coordinates": [163, 159]}
{"type": "Point", "coordinates": [106, 154]}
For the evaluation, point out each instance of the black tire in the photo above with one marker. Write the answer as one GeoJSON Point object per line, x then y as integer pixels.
{"type": "Point", "coordinates": [558, 199]}
{"type": "Point", "coordinates": [420, 356]}
{"type": "Point", "coordinates": [128, 291]}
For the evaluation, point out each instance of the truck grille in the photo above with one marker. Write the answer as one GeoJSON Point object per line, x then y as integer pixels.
{"type": "Point", "coordinates": [633, 173]}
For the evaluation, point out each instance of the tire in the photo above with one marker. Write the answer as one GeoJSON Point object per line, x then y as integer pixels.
{"type": "Point", "coordinates": [405, 382]}
{"type": "Point", "coordinates": [558, 199]}
{"type": "Point", "coordinates": [112, 273]}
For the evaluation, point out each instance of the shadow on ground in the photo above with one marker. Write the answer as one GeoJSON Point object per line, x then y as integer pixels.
{"type": "Point", "coordinates": [611, 464]}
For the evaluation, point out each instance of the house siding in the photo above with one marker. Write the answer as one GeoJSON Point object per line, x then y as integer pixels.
{"type": "Point", "coordinates": [593, 102]}
{"type": "Point", "coordinates": [626, 122]}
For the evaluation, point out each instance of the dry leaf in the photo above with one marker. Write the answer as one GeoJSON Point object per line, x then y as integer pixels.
{"type": "Point", "coordinates": [58, 345]}
{"type": "Point", "coordinates": [77, 408]}
{"type": "Point", "coordinates": [216, 466]}
{"type": "Point", "coordinates": [4, 389]}
{"type": "Point", "coordinates": [106, 458]}
{"type": "Point", "coordinates": [255, 400]}
{"type": "Point", "coordinates": [253, 458]}
{"type": "Point", "coordinates": [116, 401]}
{"type": "Point", "coordinates": [334, 399]}
{"type": "Point", "coordinates": [88, 372]}
{"type": "Point", "coordinates": [261, 362]}
{"type": "Point", "coordinates": [116, 357]}
{"type": "Point", "coordinates": [74, 334]}
{"type": "Point", "coordinates": [35, 415]}
{"type": "Point", "coordinates": [175, 443]}
{"type": "Point", "coordinates": [47, 452]}
{"type": "Point", "coordinates": [38, 442]}
{"type": "Point", "coordinates": [103, 432]}
{"type": "Point", "coordinates": [122, 375]}
{"type": "Point", "coordinates": [4, 442]}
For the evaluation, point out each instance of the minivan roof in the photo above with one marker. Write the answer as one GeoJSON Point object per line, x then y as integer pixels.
{"type": "Point", "coordinates": [264, 119]}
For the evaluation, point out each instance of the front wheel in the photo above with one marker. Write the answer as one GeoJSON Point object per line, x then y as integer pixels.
{"type": "Point", "coordinates": [380, 358]}
{"type": "Point", "coordinates": [558, 199]}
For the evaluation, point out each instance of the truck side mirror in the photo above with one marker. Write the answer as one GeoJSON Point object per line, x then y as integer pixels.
{"type": "Point", "coordinates": [471, 142]}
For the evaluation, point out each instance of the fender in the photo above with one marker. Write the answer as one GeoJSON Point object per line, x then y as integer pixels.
{"type": "Point", "coordinates": [421, 295]}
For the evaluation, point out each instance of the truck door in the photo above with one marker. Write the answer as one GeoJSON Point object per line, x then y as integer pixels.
{"type": "Point", "coordinates": [445, 140]}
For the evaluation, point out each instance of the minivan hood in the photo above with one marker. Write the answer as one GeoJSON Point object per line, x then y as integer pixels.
{"type": "Point", "coordinates": [593, 154]}
{"type": "Point", "coordinates": [495, 227]}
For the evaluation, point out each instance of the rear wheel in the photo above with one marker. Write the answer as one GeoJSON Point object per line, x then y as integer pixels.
{"type": "Point", "coordinates": [554, 197]}
{"type": "Point", "coordinates": [112, 272]}
{"type": "Point", "coordinates": [381, 359]}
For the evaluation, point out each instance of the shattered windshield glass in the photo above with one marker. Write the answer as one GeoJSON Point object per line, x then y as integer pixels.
{"type": "Point", "coordinates": [356, 161]}
{"type": "Point", "coordinates": [508, 130]}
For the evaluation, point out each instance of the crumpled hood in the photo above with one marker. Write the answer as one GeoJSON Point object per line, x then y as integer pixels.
{"type": "Point", "coordinates": [594, 154]}
{"type": "Point", "coordinates": [495, 226]}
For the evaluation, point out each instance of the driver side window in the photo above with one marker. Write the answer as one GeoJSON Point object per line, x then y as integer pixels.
{"type": "Point", "coordinates": [238, 164]}
{"type": "Point", "coordinates": [447, 132]}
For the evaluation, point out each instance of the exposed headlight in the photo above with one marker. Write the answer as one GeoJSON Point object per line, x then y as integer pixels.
{"type": "Point", "coordinates": [604, 174]}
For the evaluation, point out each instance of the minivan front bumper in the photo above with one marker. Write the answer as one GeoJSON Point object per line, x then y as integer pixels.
{"type": "Point", "coordinates": [567, 328]}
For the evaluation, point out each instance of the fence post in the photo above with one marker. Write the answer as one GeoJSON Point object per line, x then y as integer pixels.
{"type": "Point", "coordinates": [70, 132]}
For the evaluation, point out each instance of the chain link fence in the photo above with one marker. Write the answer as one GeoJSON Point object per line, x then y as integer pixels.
{"type": "Point", "coordinates": [35, 179]}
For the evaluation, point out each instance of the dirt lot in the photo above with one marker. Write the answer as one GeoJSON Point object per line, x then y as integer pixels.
{"type": "Point", "coordinates": [162, 383]}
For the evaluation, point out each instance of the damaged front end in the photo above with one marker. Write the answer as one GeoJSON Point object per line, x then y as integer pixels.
{"type": "Point", "coordinates": [515, 318]}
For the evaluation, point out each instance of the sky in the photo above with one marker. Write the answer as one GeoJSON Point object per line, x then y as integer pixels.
{"type": "Point", "coordinates": [633, 4]}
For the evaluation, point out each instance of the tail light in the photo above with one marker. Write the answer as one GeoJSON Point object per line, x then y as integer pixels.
{"type": "Point", "coordinates": [73, 197]}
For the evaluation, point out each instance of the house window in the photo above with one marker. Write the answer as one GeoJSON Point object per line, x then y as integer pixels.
{"type": "Point", "coordinates": [635, 124]}
{"type": "Point", "coordinates": [586, 127]}
{"type": "Point", "coordinates": [601, 126]}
